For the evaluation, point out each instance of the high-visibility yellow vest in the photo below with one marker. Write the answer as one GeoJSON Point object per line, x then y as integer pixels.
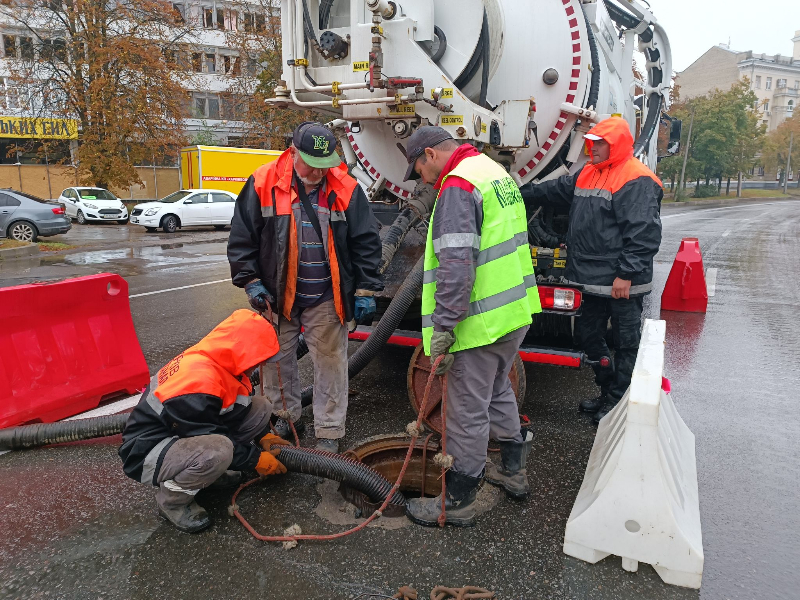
{"type": "Point", "coordinates": [504, 295]}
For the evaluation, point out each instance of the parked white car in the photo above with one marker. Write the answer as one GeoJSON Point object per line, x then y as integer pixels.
{"type": "Point", "coordinates": [186, 208]}
{"type": "Point", "coordinates": [93, 204]}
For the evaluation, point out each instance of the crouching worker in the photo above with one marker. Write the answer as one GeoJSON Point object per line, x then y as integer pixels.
{"type": "Point", "coordinates": [197, 425]}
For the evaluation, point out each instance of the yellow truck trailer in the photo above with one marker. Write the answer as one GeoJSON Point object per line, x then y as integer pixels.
{"type": "Point", "coordinates": [221, 168]}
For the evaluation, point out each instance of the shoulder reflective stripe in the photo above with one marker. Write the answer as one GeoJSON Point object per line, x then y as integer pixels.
{"type": "Point", "coordinates": [457, 240]}
{"type": "Point", "coordinates": [582, 193]}
{"type": "Point", "coordinates": [174, 487]}
{"type": "Point", "coordinates": [502, 249]}
{"type": "Point", "coordinates": [429, 276]}
{"type": "Point", "coordinates": [605, 290]}
{"type": "Point", "coordinates": [267, 211]}
{"type": "Point", "coordinates": [240, 400]}
{"type": "Point", "coordinates": [530, 280]}
{"type": "Point", "coordinates": [154, 402]}
{"type": "Point", "coordinates": [151, 460]}
{"type": "Point", "coordinates": [338, 215]}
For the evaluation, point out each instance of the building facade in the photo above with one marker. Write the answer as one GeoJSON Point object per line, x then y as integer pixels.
{"type": "Point", "coordinates": [775, 79]}
{"type": "Point", "coordinates": [205, 53]}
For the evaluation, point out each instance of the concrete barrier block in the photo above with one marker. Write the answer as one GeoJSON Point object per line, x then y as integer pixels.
{"type": "Point", "coordinates": [639, 498]}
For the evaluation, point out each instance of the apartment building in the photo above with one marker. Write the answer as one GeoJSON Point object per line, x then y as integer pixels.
{"type": "Point", "coordinates": [204, 52]}
{"type": "Point", "coordinates": [775, 79]}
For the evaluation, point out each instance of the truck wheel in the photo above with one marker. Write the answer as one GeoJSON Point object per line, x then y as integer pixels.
{"type": "Point", "coordinates": [169, 224]}
{"type": "Point", "coordinates": [420, 368]}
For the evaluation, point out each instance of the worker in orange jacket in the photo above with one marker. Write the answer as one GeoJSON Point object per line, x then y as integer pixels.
{"type": "Point", "coordinates": [198, 423]}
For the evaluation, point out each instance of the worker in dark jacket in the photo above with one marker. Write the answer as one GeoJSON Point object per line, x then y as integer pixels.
{"type": "Point", "coordinates": [478, 296]}
{"type": "Point", "coordinates": [304, 243]}
{"type": "Point", "coordinates": [197, 423]}
{"type": "Point", "coordinates": [614, 233]}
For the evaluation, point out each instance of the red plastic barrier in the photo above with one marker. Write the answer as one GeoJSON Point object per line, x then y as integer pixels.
{"type": "Point", "coordinates": [686, 285]}
{"type": "Point", "coordinates": [64, 347]}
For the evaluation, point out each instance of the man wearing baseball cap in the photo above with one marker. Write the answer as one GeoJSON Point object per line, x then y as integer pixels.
{"type": "Point", "coordinates": [478, 295]}
{"type": "Point", "coordinates": [304, 245]}
{"type": "Point", "coordinates": [614, 233]}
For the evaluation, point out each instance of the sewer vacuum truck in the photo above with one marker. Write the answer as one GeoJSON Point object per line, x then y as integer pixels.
{"type": "Point", "coordinates": [522, 80]}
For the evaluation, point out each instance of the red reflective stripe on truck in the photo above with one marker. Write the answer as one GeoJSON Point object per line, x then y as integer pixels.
{"type": "Point", "coordinates": [546, 358]}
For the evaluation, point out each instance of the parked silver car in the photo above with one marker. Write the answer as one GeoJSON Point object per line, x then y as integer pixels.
{"type": "Point", "coordinates": [25, 218]}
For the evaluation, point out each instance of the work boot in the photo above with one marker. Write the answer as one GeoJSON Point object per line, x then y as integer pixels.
{"type": "Point", "coordinates": [460, 509]}
{"type": "Point", "coordinates": [609, 405]}
{"type": "Point", "coordinates": [592, 405]}
{"type": "Point", "coordinates": [327, 445]}
{"type": "Point", "coordinates": [283, 430]}
{"type": "Point", "coordinates": [512, 476]}
{"type": "Point", "coordinates": [228, 479]}
{"type": "Point", "coordinates": [180, 509]}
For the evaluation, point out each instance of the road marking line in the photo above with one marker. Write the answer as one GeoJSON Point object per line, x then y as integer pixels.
{"type": "Point", "coordinates": [708, 210]}
{"type": "Point", "coordinates": [183, 287]}
{"type": "Point", "coordinates": [727, 233]}
{"type": "Point", "coordinates": [711, 282]}
{"type": "Point", "coordinates": [108, 409]}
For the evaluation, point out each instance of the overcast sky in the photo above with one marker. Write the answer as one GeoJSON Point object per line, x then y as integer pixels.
{"type": "Point", "coordinates": [694, 26]}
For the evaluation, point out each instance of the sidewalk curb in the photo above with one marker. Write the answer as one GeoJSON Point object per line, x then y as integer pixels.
{"type": "Point", "coordinates": [731, 202]}
{"type": "Point", "coordinates": [20, 252]}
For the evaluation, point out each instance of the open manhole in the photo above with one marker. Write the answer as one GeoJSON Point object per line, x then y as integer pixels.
{"type": "Point", "coordinates": [386, 454]}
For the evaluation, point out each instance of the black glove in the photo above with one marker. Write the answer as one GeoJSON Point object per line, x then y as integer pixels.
{"type": "Point", "coordinates": [260, 299]}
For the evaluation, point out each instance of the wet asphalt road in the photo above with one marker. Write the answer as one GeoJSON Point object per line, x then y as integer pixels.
{"type": "Point", "coordinates": [73, 526]}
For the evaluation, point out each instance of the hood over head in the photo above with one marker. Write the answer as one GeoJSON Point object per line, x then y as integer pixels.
{"type": "Point", "coordinates": [617, 132]}
{"type": "Point", "coordinates": [240, 342]}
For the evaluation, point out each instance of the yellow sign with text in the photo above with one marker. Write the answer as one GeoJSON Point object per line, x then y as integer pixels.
{"type": "Point", "coordinates": [36, 128]}
{"type": "Point", "coordinates": [452, 120]}
{"type": "Point", "coordinates": [362, 65]}
{"type": "Point", "coordinates": [402, 110]}
{"type": "Point", "coordinates": [446, 93]}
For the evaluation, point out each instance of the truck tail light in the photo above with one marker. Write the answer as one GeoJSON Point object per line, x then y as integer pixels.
{"type": "Point", "coordinates": [556, 298]}
{"type": "Point", "coordinates": [59, 210]}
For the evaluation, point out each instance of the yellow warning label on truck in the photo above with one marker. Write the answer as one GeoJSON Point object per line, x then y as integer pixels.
{"type": "Point", "coordinates": [535, 262]}
{"type": "Point", "coordinates": [362, 65]}
{"type": "Point", "coordinates": [559, 264]}
{"type": "Point", "coordinates": [446, 93]}
{"type": "Point", "coordinates": [483, 127]}
{"type": "Point", "coordinates": [404, 110]}
{"type": "Point", "coordinates": [452, 120]}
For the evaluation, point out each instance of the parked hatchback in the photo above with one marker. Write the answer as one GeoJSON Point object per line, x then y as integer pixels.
{"type": "Point", "coordinates": [25, 218]}
{"type": "Point", "coordinates": [86, 204]}
{"type": "Point", "coordinates": [186, 208]}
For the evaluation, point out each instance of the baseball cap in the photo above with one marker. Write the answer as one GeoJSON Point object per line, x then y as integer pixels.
{"type": "Point", "coordinates": [593, 137]}
{"type": "Point", "coordinates": [424, 137]}
{"type": "Point", "coordinates": [316, 144]}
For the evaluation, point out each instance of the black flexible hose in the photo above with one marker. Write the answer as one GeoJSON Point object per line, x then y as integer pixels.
{"type": "Point", "coordinates": [31, 436]}
{"type": "Point", "coordinates": [484, 62]}
{"type": "Point", "coordinates": [594, 89]}
{"type": "Point", "coordinates": [384, 329]}
{"type": "Point", "coordinates": [475, 60]}
{"type": "Point", "coordinates": [626, 20]}
{"type": "Point", "coordinates": [342, 469]}
{"type": "Point", "coordinates": [442, 44]}
{"type": "Point", "coordinates": [325, 13]}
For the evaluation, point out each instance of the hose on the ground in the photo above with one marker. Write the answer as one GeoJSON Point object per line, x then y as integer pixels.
{"type": "Point", "coordinates": [42, 434]}
{"type": "Point", "coordinates": [345, 470]}
{"type": "Point", "coordinates": [383, 330]}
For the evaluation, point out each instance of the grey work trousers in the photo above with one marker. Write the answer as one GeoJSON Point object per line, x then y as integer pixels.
{"type": "Point", "coordinates": [327, 343]}
{"type": "Point", "coordinates": [194, 463]}
{"type": "Point", "coordinates": [481, 403]}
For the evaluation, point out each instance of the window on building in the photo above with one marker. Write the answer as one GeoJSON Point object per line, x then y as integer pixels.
{"type": "Point", "coordinates": [790, 106]}
{"type": "Point", "coordinates": [260, 23]}
{"type": "Point", "coordinates": [200, 107]}
{"type": "Point", "coordinates": [10, 46]}
{"type": "Point", "coordinates": [208, 18]}
{"type": "Point", "coordinates": [758, 82]}
{"type": "Point", "coordinates": [210, 63]}
{"type": "Point", "coordinates": [797, 84]}
{"type": "Point", "coordinates": [206, 106]}
{"type": "Point", "coordinates": [26, 48]}
{"type": "Point", "coordinates": [254, 22]}
{"type": "Point", "coordinates": [213, 107]}
{"type": "Point", "coordinates": [231, 65]}
{"type": "Point", "coordinates": [180, 13]}
{"type": "Point", "coordinates": [769, 83]}
{"type": "Point", "coordinates": [220, 18]}
{"type": "Point", "coordinates": [781, 83]}
{"type": "Point", "coordinates": [197, 62]}
{"type": "Point", "coordinates": [766, 105]}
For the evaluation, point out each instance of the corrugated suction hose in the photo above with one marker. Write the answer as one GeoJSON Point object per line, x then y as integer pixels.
{"type": "Point", "coordinates": [31, 436]}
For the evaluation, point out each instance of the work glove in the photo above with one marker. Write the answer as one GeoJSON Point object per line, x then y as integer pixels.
{"type": "Point", "coordinates": [441, 341]}
{"type": "Point", "coordinates": [269, 465]}
{"type": "Point", "coordinates": [365, 309]}
{"type": "Point", "coordinates": [260, 299]}
{"type": "Point", "coordinates": [269, 441]}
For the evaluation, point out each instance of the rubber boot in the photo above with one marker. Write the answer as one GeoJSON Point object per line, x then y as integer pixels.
{"type": "Point", "coordinates": [592, 405]}
{"type": "Point", "coordinates": [512, 476]}
{"type": "Point", "coordinates": [180, 509]}
{"type": "Point", "coordinates": [460, 509]}
{"type": "Point", "coordinates": [607, 408]}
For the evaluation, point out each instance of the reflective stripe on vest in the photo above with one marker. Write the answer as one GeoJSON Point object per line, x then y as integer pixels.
{"type": "Point", "coordinates": [504, 295]}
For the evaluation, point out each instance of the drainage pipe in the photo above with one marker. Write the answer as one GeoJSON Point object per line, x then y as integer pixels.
{"type": "Point", "coordinates": [42, 434]}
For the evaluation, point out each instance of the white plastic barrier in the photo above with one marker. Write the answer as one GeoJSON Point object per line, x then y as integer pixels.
{"type": "Point", "coordinates": [639, 496]}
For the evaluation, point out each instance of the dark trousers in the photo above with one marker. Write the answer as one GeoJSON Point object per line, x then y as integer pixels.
{"type": "Point", "coordinates": [626, 328]}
